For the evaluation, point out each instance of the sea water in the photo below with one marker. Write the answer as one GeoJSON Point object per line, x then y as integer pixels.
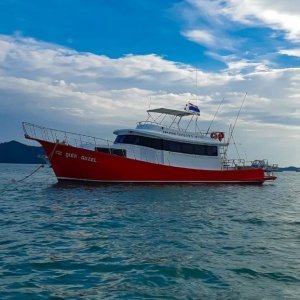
{"type": "Point", "coordinates": [147, 241]}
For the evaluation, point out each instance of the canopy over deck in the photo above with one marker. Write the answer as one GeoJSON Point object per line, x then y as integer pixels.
{"type": "Point", "coordinates": [173, 112]}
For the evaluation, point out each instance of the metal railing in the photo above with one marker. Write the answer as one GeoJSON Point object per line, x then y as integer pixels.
{"type": "Point", "coordinates": [175, 127]}
{"type": "Point", "coordinates": [64, 137]}
{"type": "Point", "coordinates": [242, 163]}
{"type": "Point", "coordinates": [264, 164]}
{"type": "Point", "coordinates": [233, 163]}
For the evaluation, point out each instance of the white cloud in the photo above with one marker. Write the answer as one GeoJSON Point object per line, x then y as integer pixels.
{"type": "Point", "coordinates": [210, 39]}
{"type": "Point", "coordinates": [247, 66]}
{"type": "Point", "coordinates": [52, 84]}
{"type": "Point", "coordinates": [291, 52]}
{"type": "Point", "coordinates": [200, 37]}
{"type": "Point", "coordinates": [274, 14]}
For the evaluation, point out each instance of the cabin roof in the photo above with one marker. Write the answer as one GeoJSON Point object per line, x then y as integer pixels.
{"type": "Point", "coordinates": [173, 112]}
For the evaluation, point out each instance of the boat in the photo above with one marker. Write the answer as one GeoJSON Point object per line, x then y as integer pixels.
{"type": "Point", "coordinates": [162, 149]}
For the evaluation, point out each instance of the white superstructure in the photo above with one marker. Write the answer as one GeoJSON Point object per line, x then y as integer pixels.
{"type": "Point", "coordinates": [154, 141]}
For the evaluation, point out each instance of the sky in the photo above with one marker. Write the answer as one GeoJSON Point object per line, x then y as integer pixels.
{"type": "Point", "coordinates": [94, 66]}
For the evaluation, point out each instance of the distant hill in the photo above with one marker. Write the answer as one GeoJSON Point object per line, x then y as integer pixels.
{"type": "Point", "coordinates": [291, 168]}
{"type": "Point", "coordinates": [18, 153]}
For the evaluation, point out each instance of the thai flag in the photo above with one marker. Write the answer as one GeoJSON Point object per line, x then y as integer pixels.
{"type": "Point", "coordinates": [193, 108]}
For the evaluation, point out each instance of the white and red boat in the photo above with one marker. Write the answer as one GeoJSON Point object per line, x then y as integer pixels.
{"type": "Point", "coordinates": [152, 152]}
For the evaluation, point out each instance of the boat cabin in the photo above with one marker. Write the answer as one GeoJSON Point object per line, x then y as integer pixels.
{"type": "Point", "coordinates": [170, 143]}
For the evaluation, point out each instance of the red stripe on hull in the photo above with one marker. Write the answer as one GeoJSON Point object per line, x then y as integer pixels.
{"type": "Point", "coordinates": [71, 163]}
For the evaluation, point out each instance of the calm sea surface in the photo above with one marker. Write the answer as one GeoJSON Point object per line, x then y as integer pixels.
{"type": "Point", "coordinates": [147, 242]}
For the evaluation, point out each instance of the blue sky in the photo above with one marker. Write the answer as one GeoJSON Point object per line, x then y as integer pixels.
{"type": "Point", "coordinates": [94, 65]}
{"type": "Point", "coordinates": [109, 27]}
{"type": "Point", "coordinates": [115, 28]}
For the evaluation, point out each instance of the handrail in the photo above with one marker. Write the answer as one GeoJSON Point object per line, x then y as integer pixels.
{"type": "Point", "coordinates": [34, 131]}
{"type": "Point", "coordinates": [178, 129]}
{"type": "Point", "coordinates": [242, 163]}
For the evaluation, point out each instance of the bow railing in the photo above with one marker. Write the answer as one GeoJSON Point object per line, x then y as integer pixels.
{"type": "Point", "coordinates": [37, 132]}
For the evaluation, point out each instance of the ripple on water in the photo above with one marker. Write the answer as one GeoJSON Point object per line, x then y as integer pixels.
{"type": "Point", "coordinates": [142, 242]}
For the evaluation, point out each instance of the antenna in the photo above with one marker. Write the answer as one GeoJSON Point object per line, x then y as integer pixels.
{"type": "Point", "coordinates": [233, 127]}
{"type": "Point", "coordinates": [196, 85]}
{"type": "Point", "coordinates": [214, 115]}
{"type": "Point", "coordinates": [236, 149]}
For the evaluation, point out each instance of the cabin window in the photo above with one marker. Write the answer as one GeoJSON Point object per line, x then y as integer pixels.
{"type": "Point", "coordinates": [119, 152]}
{"type": "Point", "coordinates": [200, 149]}
{"type": "Point", "coordinates": [172, 146]}
{"type": "Point", "coordinates": [167, 145]}
{"type": "Point", "coordinates": [212, 151]}
{"type": "Point", "coordinates": [120, 139]}
{"type": "Point", "coordinates": [188, 148]}
{"type": "Point", "coordinates": [131, 139]}
{"type": "Point", "coordinates": [151, 142]}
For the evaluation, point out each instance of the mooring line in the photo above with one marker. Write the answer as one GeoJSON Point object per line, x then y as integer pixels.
{"type": "Point", "coordinates": [39, 167]}
{"type": "Point", "coordinates": [22, 179]}
{"type": "Point", "coordinates": [33, 172]}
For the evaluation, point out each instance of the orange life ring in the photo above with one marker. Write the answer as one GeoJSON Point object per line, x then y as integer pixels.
{"type": "Point", "coordinates": [214, 135]}
{"type": "Point", "coordinates": [221, 136]}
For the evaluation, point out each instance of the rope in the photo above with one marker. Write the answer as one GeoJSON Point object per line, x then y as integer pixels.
{"type": "Point", "coordinates": [34, 171]}
{"type": "Point", "coordinates": [52, 152]}
{"type": "Point", "coordinates": [39, 167]}
{"type": "Point", "coordinates": [20, 180]}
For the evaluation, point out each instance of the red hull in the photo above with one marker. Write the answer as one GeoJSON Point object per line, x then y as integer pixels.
{"type": "Point", "coordinates": [71, 163]}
